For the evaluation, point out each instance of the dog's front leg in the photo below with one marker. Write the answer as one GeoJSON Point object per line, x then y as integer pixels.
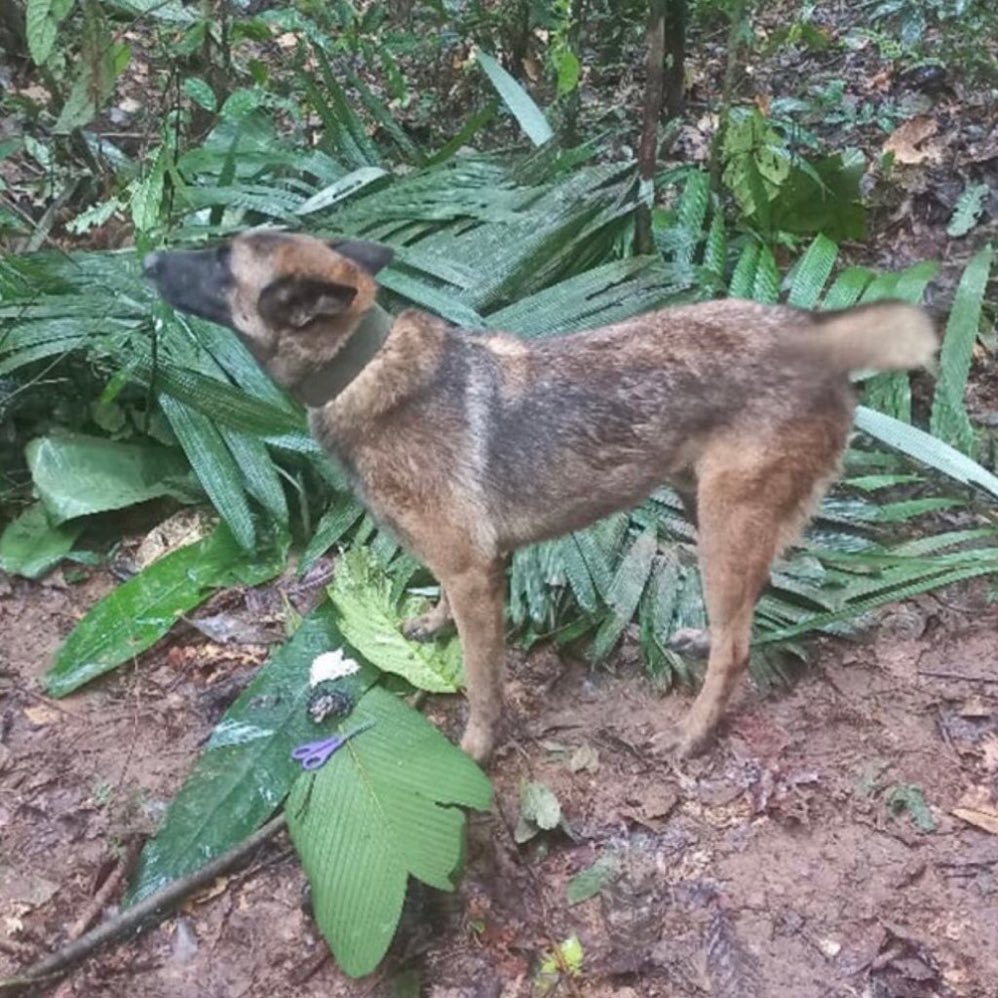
{"type": "Point", "coordinates": [476, 597]}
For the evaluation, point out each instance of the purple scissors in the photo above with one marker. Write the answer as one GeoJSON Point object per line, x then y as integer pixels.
{"type": "Point", "coordinates": [313, 755]}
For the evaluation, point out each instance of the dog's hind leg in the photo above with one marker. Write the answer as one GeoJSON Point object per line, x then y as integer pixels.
{"type": "Point", "coordinates": [753, 497]}
{"type": "Point", "coordinates": [427, 626]}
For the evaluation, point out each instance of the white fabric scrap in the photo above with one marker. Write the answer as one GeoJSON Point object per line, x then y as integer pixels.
{"type": "Point", "coordinates": [331, 665]}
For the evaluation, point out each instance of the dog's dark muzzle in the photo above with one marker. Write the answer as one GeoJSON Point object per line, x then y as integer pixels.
{"type": "Point", "coordinates": [194, 281]}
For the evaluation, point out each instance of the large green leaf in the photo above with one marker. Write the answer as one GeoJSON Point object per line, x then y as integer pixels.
{"type": "Point", "coordinates": [341, 189]}
{"type": "Point", "coordinates": [75, 475]}
{"type": "Point", "coordinates": [361, 594]}
{"type": "Point", "coordinates": [823, 196]}
{"type": "Point", "coordinates": [925, 448]}
{"type": "Point", "coordinates": [812, 272]}
{"type": "Point", "coordinates": [138, 613]}
{"type": "Point", "coordinates": [633, 572]}
{"type": "Point", "coordinates": [246, 769]}
{"type": "Point", "coordinates": [949, 414]}
{"type": "Point", "coordinates": [342, 514]}
{"type": "Point", "coordinates": [41, 26]}
{"type": "Point", "coordinates": [31, 545]}
{"type": "Point", "coordinates": [891, 392]}
{"type": "Point", "coordinates": [384, 808]}
{"type": "Point", "coordinates": [897, 576]}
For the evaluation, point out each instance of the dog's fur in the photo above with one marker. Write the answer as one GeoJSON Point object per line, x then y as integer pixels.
{"type": "Point", "coordinates": [468, 446]}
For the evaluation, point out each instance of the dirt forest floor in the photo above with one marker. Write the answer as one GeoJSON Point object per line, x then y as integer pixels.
{"type": "Point", "coordinates": [814, 852]}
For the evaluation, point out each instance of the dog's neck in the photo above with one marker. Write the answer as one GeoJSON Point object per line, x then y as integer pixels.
{"type": "Point", "coordinates": [323, 384]}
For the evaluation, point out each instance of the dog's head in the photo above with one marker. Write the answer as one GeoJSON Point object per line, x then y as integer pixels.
{"type": "Point", "coordinates": [292, 299]}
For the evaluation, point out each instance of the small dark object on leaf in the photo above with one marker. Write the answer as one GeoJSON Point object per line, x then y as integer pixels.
{"type": "Point", "coordinates": [930, 79]}
{"type": "Point", "coordinates": [328, 700]}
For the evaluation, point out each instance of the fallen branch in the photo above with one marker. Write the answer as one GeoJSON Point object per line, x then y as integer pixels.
{"type": "Point", "coordinates": [12, 947]}
{"type": "Point", "coordinates": [138, 917]}
{"type": "Point", "coordinates": [944, 674]}
{"type": "Point", "coordinates": [92, 911]}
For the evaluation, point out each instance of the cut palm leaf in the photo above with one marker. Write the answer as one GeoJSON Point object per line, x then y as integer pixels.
{"type": "Point", "coordinates": [30, 545]}
{"type": "Point", "coordinates": [926, 449]}
{"type": "Point", "coordinates": [361, 595]}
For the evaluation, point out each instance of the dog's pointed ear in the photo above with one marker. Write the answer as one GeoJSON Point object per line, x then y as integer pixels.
{"type": "Point", "coordinates": [297, 301]}
{"type": "Point", "coordinates": [371, 256]}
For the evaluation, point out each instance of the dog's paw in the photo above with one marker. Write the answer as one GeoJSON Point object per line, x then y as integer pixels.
{"type": "Point", "coordinates": [690, 641]}
{"type": "Point", "coordinates": [424, 628]}
{"type": "Point", "coordinates": [682, 742]}
{"type": "Point", "coordinates": [478, 743]}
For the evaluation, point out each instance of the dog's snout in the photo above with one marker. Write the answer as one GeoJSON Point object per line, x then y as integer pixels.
{"type": "Point", "coordinates": [150, 263]}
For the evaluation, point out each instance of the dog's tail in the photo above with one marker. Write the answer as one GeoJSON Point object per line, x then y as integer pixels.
{"type": "Point", "coordinates": [882, 336]}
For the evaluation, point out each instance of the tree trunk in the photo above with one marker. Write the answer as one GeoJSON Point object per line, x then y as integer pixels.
{"type": "Point", "coordinates": [676, 12]}
{"type": "Point", "coordinates": [13, 39]}
{"type": "Point", "coordinates": [737, 14]}
{"type": "Point", "coordinates": [573, 101]}
{"type": "Point", "coordinates": [649, 124]}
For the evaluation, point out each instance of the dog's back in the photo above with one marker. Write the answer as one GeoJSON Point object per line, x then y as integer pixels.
{"type": "Point", "coordinates": [563, 430]}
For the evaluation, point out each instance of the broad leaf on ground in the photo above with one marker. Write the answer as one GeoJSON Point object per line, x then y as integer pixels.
{"type": "Point", "coordinates": [31, 545]}
{"type": "Point", "coordinates": [361, 594]}
{"type": "Point", "coordinates": [77, 475]}
{"type": "Point", "coordinates": [949, 414]}
{"type": "Point", "coordinates": [520, 103]}
{"type": "Point", "coordinates": [384, 808]}
{"type": "Point", "coordinates": [246, 769]}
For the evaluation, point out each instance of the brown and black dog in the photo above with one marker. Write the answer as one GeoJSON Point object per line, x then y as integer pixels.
{"type": "Point", "coordinates": [469, 445]}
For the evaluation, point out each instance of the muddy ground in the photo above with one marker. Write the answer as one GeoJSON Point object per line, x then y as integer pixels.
{"type": "Point", "coordinates": [784, 863]}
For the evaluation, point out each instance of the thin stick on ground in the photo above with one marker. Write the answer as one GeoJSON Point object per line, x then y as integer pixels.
{"type": "Point", "coordinates": [103, 895]}
{"type": "Point", "coordinates": [140, 916]}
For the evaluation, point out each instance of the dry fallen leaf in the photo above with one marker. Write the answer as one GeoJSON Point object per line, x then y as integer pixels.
{"type": "Point", "coordinates": [218, 886]}
{"type": "Point", "coordinates": [36, 93]}
{"type": "Point", "coordinates": [185, 527]}
{"type": "Point", "coordinates": [532, 67]}
{"type": "Point", "coordinates": [978, 808]}
{"type": "Point", "coordinates": [41, 715]}
{"type": "Point", "coordinates": [657, 802]}
{"type": "Point", "coordinates": [881, 81]}
{"type": "Point", "coordinates": [906, 139]}
{"type": "Point", "coordinates": [584, 757]}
